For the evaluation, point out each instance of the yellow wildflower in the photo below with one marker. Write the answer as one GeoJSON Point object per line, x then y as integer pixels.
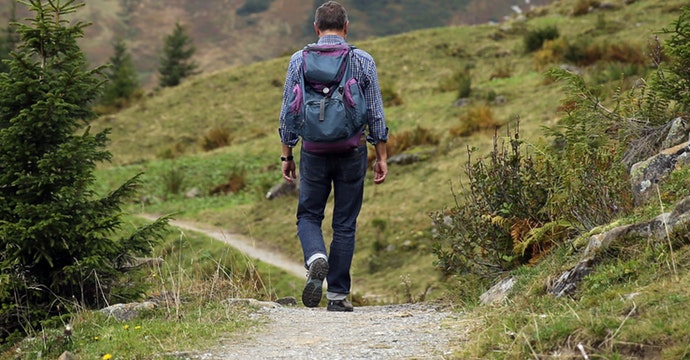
{"type": "Point", "coordinates": [107, 357]}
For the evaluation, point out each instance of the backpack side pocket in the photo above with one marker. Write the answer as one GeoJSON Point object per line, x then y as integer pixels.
{"type": "Point", "coordinates": [356, 105]}
{"type": "Point", "coordinates": [293, 116]}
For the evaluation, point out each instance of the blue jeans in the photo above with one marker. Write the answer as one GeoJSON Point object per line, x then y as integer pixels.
{"type": "Point", "coordinates": [319, 173]}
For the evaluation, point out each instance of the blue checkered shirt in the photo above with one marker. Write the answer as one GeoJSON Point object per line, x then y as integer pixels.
{"type": "Point", "coordinates": [364, 70]}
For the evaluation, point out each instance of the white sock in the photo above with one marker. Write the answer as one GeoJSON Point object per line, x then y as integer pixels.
{"type": "Point", "coordinates": [334, 296]}
{"type": "Point", "coordinates": [314, 257]}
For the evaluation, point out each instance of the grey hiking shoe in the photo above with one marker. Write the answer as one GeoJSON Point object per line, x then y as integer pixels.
{"type": "Point", "coordinates": [340, 305]}
{"type": "Point", "coordinates": [311, 295]}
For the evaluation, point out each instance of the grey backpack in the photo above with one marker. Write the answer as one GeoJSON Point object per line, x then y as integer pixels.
{"type": "Point", "coordinates": [327, 107]}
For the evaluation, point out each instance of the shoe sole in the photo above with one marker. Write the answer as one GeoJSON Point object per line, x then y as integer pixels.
{"type": "Point", "coordinates": [313, 289]}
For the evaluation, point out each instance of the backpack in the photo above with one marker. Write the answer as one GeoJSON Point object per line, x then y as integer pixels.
{"type": "Point", "coordinates": [327, 107]}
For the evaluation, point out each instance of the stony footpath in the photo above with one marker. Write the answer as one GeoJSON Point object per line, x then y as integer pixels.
{"type": "Point", "coordinates": [406, 331]}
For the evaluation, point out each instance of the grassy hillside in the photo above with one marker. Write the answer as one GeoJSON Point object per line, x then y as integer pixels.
{"type": "Point", "coordinates": [161, 136]}
{"type": "Point", "coordinates": [229, 33]}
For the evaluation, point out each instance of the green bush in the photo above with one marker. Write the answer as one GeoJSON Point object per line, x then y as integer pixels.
{"type": "Point", "coordinates": [534, 39]}
{"type": "Point", "coordinates": [674, 82]}
{"type": "Point", "coordinates": [477, 235]}
{"type": "Point", "coordinates": [253, 7]}
{"type": "Point", "coordinates": [461, 81]}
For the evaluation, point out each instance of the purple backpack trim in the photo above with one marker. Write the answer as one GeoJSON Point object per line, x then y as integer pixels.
{"type": "Point", "coordinates": [333, 148]}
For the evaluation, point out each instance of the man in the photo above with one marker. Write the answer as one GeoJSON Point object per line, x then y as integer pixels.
{"type": "Point", "coordinates": [344, 172]}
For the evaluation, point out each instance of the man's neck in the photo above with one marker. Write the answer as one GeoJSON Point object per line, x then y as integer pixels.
{"type": "Point", "coordinates": [332, 32]}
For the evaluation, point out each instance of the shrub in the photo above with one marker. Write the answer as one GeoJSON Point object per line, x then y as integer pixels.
{"type": "Point", "coordinates": [402, 141]}
{"type": "Point", "coordinates": [390, 97]}
{"type": "Point", "coordinates": [582, 7]}
{"type": "Point", "coordinates": [534, 39]}
{"type": "Point", "coordinates": [253, 7]}
{"type": "Point", "coordinates": [461, 82]}
{"type": "Point", "coordinates": [504, 195]}
{"type": "Point", "coordinates": [675, 82]}
{"type": "Point", "coordinates": [215, 138]}
{"type": "Point", "coordinates": [552, 51]}
{"type": "Point", "coordinates": [477, 118]}
{"type": "Point", "coordinates": [173, 181]}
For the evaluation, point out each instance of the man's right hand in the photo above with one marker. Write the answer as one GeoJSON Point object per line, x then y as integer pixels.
{"type": "Point", "coordinates": [380, 171]}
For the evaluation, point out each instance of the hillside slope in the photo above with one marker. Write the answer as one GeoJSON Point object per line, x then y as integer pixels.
{"type": "Point", "coordinates": [161, 135]}
{"type": "Point", "coordinates": [224, 35]}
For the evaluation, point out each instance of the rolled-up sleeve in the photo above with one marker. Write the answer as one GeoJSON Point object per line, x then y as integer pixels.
{"type": "Point", "coordinates": [368, 78]}
{"type": "Point", "coordinates": [291, 79]}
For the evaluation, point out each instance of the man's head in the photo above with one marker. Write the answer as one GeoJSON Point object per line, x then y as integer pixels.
{"type": "Point", "coordinates": [331, 17]}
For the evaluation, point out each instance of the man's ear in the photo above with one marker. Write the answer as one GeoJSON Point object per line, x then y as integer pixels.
{"type": "Point", "coordinates": [347, 25]}
{"type": "Point", "coordinates": [316, 29]}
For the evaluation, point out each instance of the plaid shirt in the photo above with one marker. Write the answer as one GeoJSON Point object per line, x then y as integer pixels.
{"type": "Point", "coordinates": [364, 70]}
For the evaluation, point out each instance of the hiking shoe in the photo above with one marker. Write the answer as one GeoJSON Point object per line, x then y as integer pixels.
{"type": "Point", "coordinates": [311, 295]}
{"type": "Point", "coordinates": [340, 305]}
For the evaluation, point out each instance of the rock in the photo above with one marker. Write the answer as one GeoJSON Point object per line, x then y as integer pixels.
{"type": "Point", "coordinates": [253, 303]}
{"type": "Point", "coordinates": [654, 229]}
{"type": "Point", "coordinates": [463, 102]}
{"type": "Point", "coordinates": [193, 193]}
{"type": "Point", "coordinates": [281, 189]}
{"type": "Point", "coordinates": [124, 312]}
{"type": "Point", "coordinates": [566, 284]}
{"type": "Point", "coordinates": [498, 292]}
{"type": "Point", "coordinates": [645, 174]}
{"type": "Point", "coordinates": [403, 159]}
{"type": "Point", "coordinates": [677, 133]}
{"type": "Point", "coordinates": [67, 356]}
{"type": "Point", "coordinates": [287, 301]}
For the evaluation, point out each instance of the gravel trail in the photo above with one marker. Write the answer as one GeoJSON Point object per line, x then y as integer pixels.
{"type": "Point", "coordinates": [407, 331]}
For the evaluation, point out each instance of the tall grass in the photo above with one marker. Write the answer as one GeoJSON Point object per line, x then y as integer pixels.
{"type": "Point", "coordinates": [191, 278]}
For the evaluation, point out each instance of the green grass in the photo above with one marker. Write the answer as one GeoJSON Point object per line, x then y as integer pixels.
{"type": "Point", "coordinates": [624, 310]}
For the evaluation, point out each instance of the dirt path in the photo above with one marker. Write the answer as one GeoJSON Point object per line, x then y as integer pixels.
{"type": "Point", "coordinates": [404, 331]}
{"type": "Point", "coordinates": [241, 243]}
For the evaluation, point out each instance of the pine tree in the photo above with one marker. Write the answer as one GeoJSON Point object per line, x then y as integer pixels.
{"type": "Point", "coordinates": [176, 62]}
{"type": "Point", "coordinates": [123, 79]}
{"type": "Point", "coordinates": [57, 241]}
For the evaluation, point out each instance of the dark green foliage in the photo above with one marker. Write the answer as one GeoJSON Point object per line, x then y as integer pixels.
{"type": "Point", "coordinates": [56, 235]}
{"type": "Point", "coordinates": [505, 192]}
{"type": "Point", "coordinates": [123, 81]}
{"type": "Point", "coordinates": [253, 7]}
{"type": "Point", "coordinates": [675, 83]}
{"type": "Point", "coordinates": [176, 62]}
{"type": "Point", "coordinates": [534, 39]}
{"type": "Point", "coordinates": [461, 81]}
